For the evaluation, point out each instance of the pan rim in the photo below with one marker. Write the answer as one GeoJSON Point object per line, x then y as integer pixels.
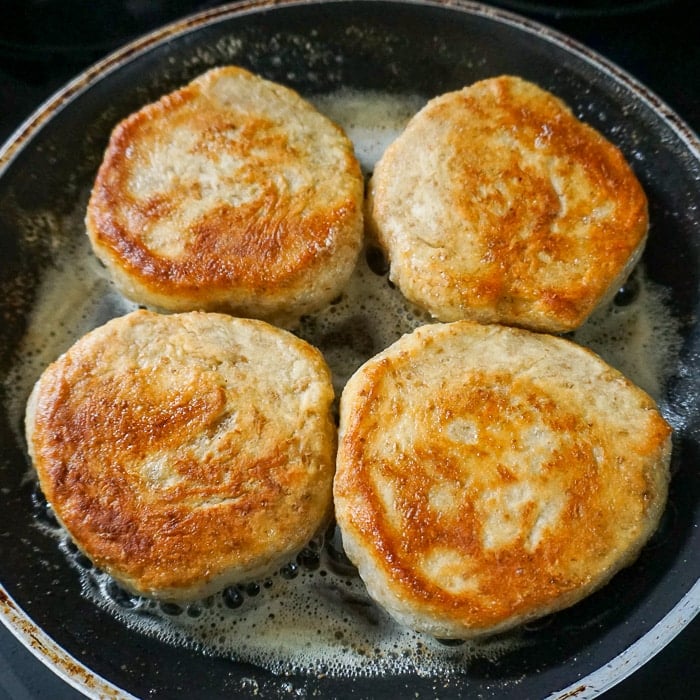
{"type": "Point", "coordinates": [149, 41]}
{"type": "Point", "coordinates": [33, 637]}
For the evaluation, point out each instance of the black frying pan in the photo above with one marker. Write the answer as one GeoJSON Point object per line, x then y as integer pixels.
{"type": "Point", "coordinates": [424, 48]}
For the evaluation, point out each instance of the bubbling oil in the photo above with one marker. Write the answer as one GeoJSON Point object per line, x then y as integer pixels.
{"type": "Point", "coordinates": [314, 615]}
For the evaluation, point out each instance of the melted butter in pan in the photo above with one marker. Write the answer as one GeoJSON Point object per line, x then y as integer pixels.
{"type": "Point", "coordinates": [314, 615]}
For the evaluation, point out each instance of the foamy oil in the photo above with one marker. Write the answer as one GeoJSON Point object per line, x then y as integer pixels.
{"type": "Point", "coordinates": [313, 616]}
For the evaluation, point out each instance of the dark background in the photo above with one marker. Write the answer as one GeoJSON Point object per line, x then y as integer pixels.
{"type": "Point", "coordinates": [44, 43]}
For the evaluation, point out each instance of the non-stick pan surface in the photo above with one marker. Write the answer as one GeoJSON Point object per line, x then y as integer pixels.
{"type": "Point", "coordinates": [420, 48]}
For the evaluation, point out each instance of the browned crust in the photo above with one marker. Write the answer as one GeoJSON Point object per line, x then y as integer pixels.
{"type": "Point", "coordinates": [552, 209]}
{"type": "Point", "coordinates": [611, 500]}
{"type": "Point", "coordinates": [229, 500]}
{"type": "Point", "coordinates": [271, 246]}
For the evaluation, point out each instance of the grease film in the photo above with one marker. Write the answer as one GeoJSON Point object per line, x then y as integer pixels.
{"type": "Point", "coordinates": [313, 616]}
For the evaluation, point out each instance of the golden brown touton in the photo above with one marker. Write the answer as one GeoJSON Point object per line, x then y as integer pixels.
{"type": "Point", "coordinates": [230, 194]}
{"type": "Point", "coordinates": [497, 204]}
{"type": "Point", "coordinates": [489, 475]}
{"type": "Point", "coordinates": [186, 452]}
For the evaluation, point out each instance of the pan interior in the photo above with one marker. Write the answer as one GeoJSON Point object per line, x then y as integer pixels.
{"type": "Point", "coordinates": [370, 70]}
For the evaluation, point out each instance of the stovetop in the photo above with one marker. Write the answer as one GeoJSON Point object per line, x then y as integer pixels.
{"type": "Point", "coordinates": [44, 43]}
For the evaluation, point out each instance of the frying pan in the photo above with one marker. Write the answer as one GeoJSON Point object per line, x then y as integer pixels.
{"type": "Point", "coordinates": [317, 47]}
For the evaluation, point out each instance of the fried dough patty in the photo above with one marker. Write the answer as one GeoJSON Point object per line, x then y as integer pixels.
{"type": "Point", "coordinates": [231, 194]}
{"type": "Point", "coordinates": [184, 453]}
{"type": "Point", "coordinates": [497, 204]}
{"type": "Point", "coordinates": [488, 475]}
